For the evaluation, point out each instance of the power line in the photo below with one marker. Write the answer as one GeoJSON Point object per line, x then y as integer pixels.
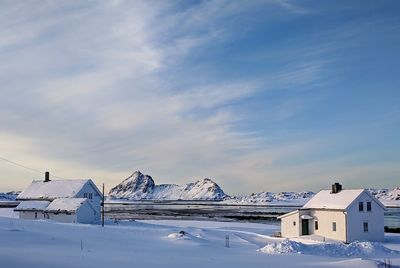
{"type": "Point", "coordinates": [15, 163]}
{"type": "Point", "coordinates": [25, 167]}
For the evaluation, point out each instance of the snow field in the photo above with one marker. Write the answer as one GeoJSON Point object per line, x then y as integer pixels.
{"type": "Point", "coordinates": [174, 244]}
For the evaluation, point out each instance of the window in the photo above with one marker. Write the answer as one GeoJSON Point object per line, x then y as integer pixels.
{"type": "Point", "coordinates": [90, 195]}
{"type": "Point", "coordinates": [316, 225]}
{"type": "Point", "coordinates": [369, 206]}
{"type": "Point", "coordinates": [35, 215]}
{"type": "Point", "coordinates": [360, 206]}
{"type": "Point", "coordinates": [334, 226]}
{"type": "Point", "coordinates": [294, 223]}
{"type": "Point", "coordinates": [85, 195]}
{"type": "Point", "coordinates": [365, 227]}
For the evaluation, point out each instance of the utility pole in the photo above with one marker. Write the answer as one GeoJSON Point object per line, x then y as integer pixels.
{"type": "Point", "coordinates": [102, 209]}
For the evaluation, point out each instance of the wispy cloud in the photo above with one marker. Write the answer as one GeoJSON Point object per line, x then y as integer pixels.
{"type": "Point", "coordinates": [102, 88]}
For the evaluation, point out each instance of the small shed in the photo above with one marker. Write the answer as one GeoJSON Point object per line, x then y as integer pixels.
{"type": "Point", "coordinates": [32, 209]}
{"type": "Point", "coordinates": [75, 210]}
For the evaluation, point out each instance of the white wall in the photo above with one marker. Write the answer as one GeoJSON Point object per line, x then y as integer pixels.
{"type": "Point", "coordinates": [356, 218]}
{"type": "Point", "coordinates": [30, 215]}
{"type": "Point", "coordinates": [86, 214]}
{"type": "Point", "coordinates": [63, 217]}
{"type": "Point", "coordinates": [325, 219]}
{"type": "Point", "coordinates": [95, 201]}
{"type": "Point", "coordinates": [287, 228]}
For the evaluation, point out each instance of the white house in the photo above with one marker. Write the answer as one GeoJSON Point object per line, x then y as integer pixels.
{"type": "Point", "coordinates": [343, 215]}
{"type": "Point", "coordinates": [75, 201]}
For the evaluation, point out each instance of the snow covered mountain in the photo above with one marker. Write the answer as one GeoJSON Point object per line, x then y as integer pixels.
{"type": "Point", "coordinates": [387, 197]}
{"type": "Point", "coordinates": [137, 186]}
{"type": "Point", "coordinates": [10, 196]}
{"type": "Point", "coordinates": [282, 198]}
{"type": "Point", "coordinates": [142, 187]}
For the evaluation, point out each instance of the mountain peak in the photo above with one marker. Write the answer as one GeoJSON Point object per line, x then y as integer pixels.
{"type": "Point", "coordinates": [139, 186]}
{"type": "Point", "coordinates": [137, 173]}
{"type": "Point", "coordinates": [206, 180]}
{"type": "Point", "coordinates": [207, 189]}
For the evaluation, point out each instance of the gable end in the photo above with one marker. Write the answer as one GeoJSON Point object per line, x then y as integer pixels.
{"type": "Point", "coordinates": [373, 198]}
{"type": "Point", "coordinates": [93, 186]}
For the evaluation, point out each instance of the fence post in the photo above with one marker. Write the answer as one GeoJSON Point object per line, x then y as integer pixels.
{"type": "Point", "coordinates": [227, 241]}
{"type": "Point", "coordinates": [102, 208]}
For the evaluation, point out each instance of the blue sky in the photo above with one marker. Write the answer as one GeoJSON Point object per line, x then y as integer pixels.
{"type": "Point", "coordinates": [258, 95]}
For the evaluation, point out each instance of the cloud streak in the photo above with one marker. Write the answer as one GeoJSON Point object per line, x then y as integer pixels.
{"type": "Point", "coordinates": [99, 89]}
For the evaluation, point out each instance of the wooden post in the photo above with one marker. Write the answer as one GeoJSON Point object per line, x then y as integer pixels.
{"type": "Point", "coordinates": [227, 241]}
{"type": "Point", "coordinates": [102, 209]}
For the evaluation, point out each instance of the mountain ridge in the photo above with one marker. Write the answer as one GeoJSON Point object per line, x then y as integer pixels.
{"type": "Point", "coordinates": [142, 187]}
{"type": "Point", "coordinates": [138, 186]}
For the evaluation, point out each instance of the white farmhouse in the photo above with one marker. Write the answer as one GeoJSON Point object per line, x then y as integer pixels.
{"type": "Point", "coordinates": [71, 201]}
{"type": "Point", "coordinates": [343, 215]}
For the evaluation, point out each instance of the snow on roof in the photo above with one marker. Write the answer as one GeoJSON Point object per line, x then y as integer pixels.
{"type": "Point", "coordinates": [32, 205]}
{"type": "Point", "coordinates": [326, 200]}
{"type": "Point", "coordinates": [288, 214]}
{"type": "Point", "coordinates": [52, 189]}
{"type": "Point", "coordinates": [65, 205]}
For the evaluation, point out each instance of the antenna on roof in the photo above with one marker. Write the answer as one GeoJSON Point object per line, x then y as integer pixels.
{"type": "Point", "coordinates": [46, 176]}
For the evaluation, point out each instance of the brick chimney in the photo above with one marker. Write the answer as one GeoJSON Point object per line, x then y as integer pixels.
{"type": "Point", "coordinates": [46, 176]}
{"type": "Point", "coordinates": [336, 187]}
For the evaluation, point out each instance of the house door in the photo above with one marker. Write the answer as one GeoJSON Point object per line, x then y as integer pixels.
{"type": "Point", "coordinates": [304, 227]}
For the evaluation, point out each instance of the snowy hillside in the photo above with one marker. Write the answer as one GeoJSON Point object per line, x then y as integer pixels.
{"type": "Point", "coordinates": [263, 198]}
{"type": "Point", "coordinates": [387, 197]}
{"type": "Point", "coordinates": [139, 186]}
{"type": "Point", "coordinates": [10, 196]}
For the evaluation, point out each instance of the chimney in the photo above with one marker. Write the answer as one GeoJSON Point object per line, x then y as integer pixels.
{"type": "Point", "coordinates": [46, 176]}
{"type": "Point", "coordinates": [336, 187]}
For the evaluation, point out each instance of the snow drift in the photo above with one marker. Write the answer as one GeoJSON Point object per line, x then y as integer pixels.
{"type": "Point", "coordinates": [354, 249]}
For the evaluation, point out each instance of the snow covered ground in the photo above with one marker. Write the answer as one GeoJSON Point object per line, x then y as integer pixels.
{"type": "Point", "coordinates": [162, 244]}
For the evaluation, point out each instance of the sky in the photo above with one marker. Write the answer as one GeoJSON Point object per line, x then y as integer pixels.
{"type": "Point", "coordinates": [268, 95]}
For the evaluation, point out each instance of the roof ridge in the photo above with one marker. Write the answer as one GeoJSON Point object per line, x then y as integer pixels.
{"type": "Point", "coordinates": [325, 199]}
